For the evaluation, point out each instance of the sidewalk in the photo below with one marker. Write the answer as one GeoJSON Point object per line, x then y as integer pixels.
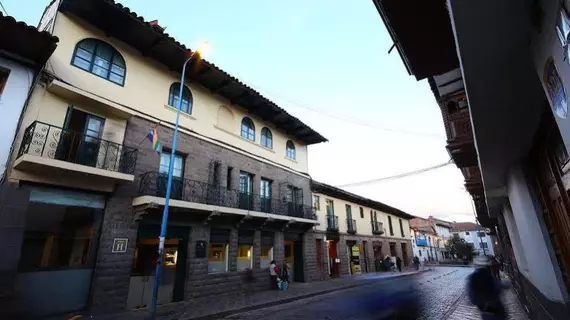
{"type": "Point", "coordinates": [223, 305]}
{"type": "Point", "coordinates": [466, 311]}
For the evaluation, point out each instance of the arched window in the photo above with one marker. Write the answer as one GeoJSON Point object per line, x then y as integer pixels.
{"type": "Point", "coordinates": [266, 138]}
{"type": "Point", "coordinates": [100, 59]}
{"type": "Point", "coordinates": [290, 152]}
{"type": "Point", "coordinates": [247, 129]}
{"type": "Point", "coordinates": [186, 97]}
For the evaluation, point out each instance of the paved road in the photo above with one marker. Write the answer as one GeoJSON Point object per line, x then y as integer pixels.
{"type": "Point", "coordinates": [437, 291]}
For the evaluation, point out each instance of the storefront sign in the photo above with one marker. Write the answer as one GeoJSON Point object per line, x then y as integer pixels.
{"type": "Point", "coordinates": [120, 245]}
{"type": "Point", "coordinates": [355, 251]}
{"type": "Point", "coordinates": [555, 89]}
{"type": "Point", "coordinates": [421, 239]}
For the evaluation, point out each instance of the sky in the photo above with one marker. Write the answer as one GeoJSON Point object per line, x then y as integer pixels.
{"type": "Point", "coordinates": [327, 63]}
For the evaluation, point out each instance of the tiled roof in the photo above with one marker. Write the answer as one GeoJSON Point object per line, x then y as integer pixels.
{"type": "Point", "coordinates": [465, 226]}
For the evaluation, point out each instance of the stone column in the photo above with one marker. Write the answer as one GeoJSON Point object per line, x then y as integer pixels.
{"type": "Point", "coordinates": [310, 257]}
{"type": "Point", "coordinates": [257, 249]}
{"type": "Point", "coordinates": [385, 248]}
{"type": "Point", "coordinates": [278, 248]}
{"type": "Point", "coordinates": [197, 268]}
{"type": "Point", "coordinates": [343, 256]}
{"type": "Point", "coordinates": [233, 250]}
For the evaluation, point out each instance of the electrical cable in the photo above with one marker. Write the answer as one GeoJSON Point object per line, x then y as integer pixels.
{"type": "Point", "coordinates": [397, 176]}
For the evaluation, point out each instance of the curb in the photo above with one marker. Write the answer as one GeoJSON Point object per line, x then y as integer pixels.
{"type": "Point", "coordinates": [227, 313]}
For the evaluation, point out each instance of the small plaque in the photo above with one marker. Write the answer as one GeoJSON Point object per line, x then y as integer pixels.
{"type": "Point", "coordinates": [120, 245]}
{"type": "Point", "coordinates": [200, 249]}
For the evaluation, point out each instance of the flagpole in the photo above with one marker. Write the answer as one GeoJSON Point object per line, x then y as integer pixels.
{"type": "Point", "coordinates": [163, 225]}
{"type": "Point", "coordinates": [152, 129]}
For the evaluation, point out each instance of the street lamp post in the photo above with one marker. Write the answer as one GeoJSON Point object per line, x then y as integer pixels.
{"type": "Point", "coordinates": [203, 47]}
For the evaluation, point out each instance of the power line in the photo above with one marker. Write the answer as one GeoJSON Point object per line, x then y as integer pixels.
{"type": "Point", "coordinates": [397, 176]}
{"type": "Point", "coordinates": [353, 121]}
{"type": "Point", "coordinates": [3, 9]}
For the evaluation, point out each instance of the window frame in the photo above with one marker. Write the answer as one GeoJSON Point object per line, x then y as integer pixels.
{"type": "Point", "coordinates": [249, 133]}
{"type": "Point", "coordinates": [115, 54]}
{"type": "Point", "coordinates": [176, 155]}
{"type": "Point", "coordinates": [171, 97]}
{"type": "Point", "coordinates": [290, 150]}
{"type": "Point", "coordinates": [390, 226]}
{"type": "Point", "coordinates": [266, 135]}
{"type": "Point", "coordinates": [317, 202]}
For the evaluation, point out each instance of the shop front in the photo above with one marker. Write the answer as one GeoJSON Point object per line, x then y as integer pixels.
{"type": "Point", "coordinates": [58, 250]}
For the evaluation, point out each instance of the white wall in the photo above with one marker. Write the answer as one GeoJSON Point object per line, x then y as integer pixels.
{"type": "Point", "coordinates": [472, 238]}
{"type": "Point", "coordinates": [541, 271]}
{"type": "Point", "coordinates": [12, 101]}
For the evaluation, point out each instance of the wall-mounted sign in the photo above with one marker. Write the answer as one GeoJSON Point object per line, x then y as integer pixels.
{"type": "Point", "coordinates": [355, 251]}
{"type": "Point", "coordinates": [120, 245]}
{"type": "Point", "coordinates": [555, 89]}
{"type": "Point", "coordinates": [200, 249]}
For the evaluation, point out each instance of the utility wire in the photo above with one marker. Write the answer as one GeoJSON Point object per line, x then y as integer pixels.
{"type": "Point", "coordinates": [397, 176]}
{"type": "Point", "coordinates": [3, 9]}
{"type": "Point", "coordinates": [353, 121]}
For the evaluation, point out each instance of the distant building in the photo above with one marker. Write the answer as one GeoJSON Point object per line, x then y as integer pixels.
{"type": "Point", "coordinates": [474, 235]}
{"type": "Point", "coordinates": [429, 237]}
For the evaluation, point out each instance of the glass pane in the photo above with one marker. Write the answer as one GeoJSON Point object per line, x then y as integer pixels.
{"type": "Point", "coordinates": [100, 71]}
{"type": "Point", "coordinates": [81, 63]}
{"type": "Point", "coordinates": [178, 162]}
{"type": "Point", "coordinates": [164, 162]}
{"type": "Point", "coordinates": [88, 45]}
{"type": "Point", "coordinates": [84, 54]}
{"type": "Point", "coordinates": [104, 51]}
{"type": "Point", "coordinates": [118, 60]}
{"type": "Point", "coordinates": [116, 78]}
{"type": "Point", "coordinates": [102, 63]}
{"type": "Point", "coordinates": [117, 70]}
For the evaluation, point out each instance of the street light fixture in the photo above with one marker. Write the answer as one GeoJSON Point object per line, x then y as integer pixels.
{"type": "Point", "coordinates": [202, 48]}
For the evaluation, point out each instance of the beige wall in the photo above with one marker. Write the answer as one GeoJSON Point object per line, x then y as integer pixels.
{"type": "Point", "coordinates": [146, 89]}
{"type": "Point", "coordinates": [363, 226]}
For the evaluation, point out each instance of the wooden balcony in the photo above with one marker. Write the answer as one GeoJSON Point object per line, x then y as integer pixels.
{"type": "Point", "coordinates": [460, 143]}
{"type": "Point", "coordinates": [473, 181]}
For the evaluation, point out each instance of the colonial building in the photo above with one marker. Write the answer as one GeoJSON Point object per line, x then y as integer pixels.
{"type": "Point", "coordinates": [23, 53]}
{"type": "Point", "coordinates": [475, 236]}
{"type": "Point", "coordinates": [96, 186]}
{"type": "Point", "coordinates": [355, 233]}
{"type": "Point", "coordinates": [425, 240]}
{"type": "Point", "coordinates": [500, 73]}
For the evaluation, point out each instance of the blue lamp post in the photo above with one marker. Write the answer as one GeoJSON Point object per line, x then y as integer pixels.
{"type": "Point", "coordinates": [201, 48]}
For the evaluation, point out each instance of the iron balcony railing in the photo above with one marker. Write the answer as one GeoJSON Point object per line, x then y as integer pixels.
{"type": "Point", "coordinates": [44, 140]}
{"type": "Point", "coordinates": [351, 226]}
{"type": "Point", "coordinates": [332, 223]}
{"type": "Point", "coordinates": [154, 184]}
{"type": "Point", "coordinates": [377, 227]}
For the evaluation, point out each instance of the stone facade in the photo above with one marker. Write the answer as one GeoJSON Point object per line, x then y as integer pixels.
{"type": "Point", "coordinates": [113, 270]}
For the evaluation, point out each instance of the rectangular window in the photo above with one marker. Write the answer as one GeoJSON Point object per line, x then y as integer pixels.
{"type": "Point", "coordinates": [245, 191]}
{"type": "Point", "coordinates": [265, 195]}
{"type": "Point", "coordinates": [177, 173]}
{"type": "Point", "coordinates": [390, 225]}
{"type": "Point", "coordinates": [371, 216]}
{"type": "Point", "coordinates": [484, 245]}
{"type": "Point", "coordinates": [218, 250]}
{"type": "Point", "coordinates": [216, 174]}
{"type": "Point", "coordinates": [361, 213]}
{"type": "Point", "coordinates": [481, 234]}
{"type": "Point", "coordinates": [401, 228]}
{"type": "Point", "coordinates": [316, 202]}
{"type": "Point", "coordinates": [229, 178]}
{"type": "Point", "coordinates": [330, 207]}
{"type": "Point", "coordinates": [467, 233]}
{"type": "Point", "coordinates": [165, 163]}
{"type": "Point", "coordinates": [245, 250]}
{"type": "Point", "coordinates": [348, 212]}
{"type": "Point", "coordinates": [4, 74]}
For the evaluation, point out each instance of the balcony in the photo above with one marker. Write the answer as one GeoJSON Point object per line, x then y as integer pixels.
{"type": "Point", "coordinates": [460, 143]}
{"type": "Point", "coordinates": [377, 227]}
{"type": "Point", "coordinates": [154, 184]}
{"type": "Point", "coordinates": [351, 226]}
{"type": "Point", "coordinates": [473, 181]}
{"type": "Point", "coordinates": [48, 149]}
{"type": "Point", "coordinates": [332, 223]}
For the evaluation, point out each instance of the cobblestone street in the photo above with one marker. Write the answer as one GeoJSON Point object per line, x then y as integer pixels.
{"type": "Point", "coordinates": [440, 293]}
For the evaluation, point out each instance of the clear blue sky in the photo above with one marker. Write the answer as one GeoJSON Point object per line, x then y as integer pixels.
{"type": "Point", "coordinates": [330, 56]}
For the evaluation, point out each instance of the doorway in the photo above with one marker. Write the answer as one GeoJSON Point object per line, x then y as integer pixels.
{"type": "Point", "coordinates": [377, 247]}
{"type": "Point", "coordinates": [298, 270]}
{"type": "Point", "coordinates": [365, 254]}
{"type": "Point", "coordinates": [144, 266]}
{"type": "Point", "coordinates": [80, 139]}
{"type": "Point", "coordinates": [404, 254]}
{"type": "Point", "coordinates": [332, 248]}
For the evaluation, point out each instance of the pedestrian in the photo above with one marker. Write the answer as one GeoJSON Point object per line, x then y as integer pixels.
{"type": "Point", "coordinates": [484, 290]}
{"type": "Point", "coordinates": [273, 272]}
{"type": "Point", "coordinates": [417, 263]}
{"type": "Point", "coordinates": [285, 273]}
{"type": "Point", "coordinates": [399, 264]}
{"type": "Point", "coordinates": [495, 268]}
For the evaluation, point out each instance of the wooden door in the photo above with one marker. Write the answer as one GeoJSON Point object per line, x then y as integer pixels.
{"type": "Point", "coordinates": [547, 158]}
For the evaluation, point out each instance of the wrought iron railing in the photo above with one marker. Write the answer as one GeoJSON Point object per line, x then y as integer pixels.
{"type": "Point", "coordinates": [44, 140]}
{"type": "Point", "coordinates": [351, 226]}
{"type": "Point", "coordinates": [332, 223]}
{"type": "Point", "coordinates": [154, 184]}
{"type": "Point", "coordinates": [377, 227]}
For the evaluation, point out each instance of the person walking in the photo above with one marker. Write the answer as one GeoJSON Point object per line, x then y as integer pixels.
{"type": "Point", "coordinates": [399, 264]}
{"type": "Point", "coordinates": [417, 263]}
{"type": "Point", "coordinates": [273, 272]}
{"type": "Point", "coordinates": [484, 290]}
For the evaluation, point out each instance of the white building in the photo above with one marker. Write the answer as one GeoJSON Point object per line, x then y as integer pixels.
{"type": "Point", "coordinates": [474, 235]}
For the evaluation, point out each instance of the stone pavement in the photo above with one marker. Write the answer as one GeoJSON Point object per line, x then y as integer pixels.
{"type": "Point", "coordinates": [223, 305]}
{"type": "Point", "coordinates": [466, 311]}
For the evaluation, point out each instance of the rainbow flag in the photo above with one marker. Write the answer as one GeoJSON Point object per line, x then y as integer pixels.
{"type": "Point", "coordinates": [153, 137]}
